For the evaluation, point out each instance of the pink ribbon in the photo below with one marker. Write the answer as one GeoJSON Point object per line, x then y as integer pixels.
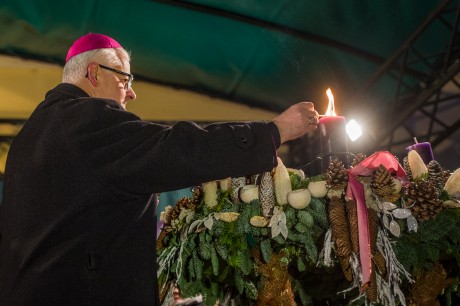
{"type": "Point", "coordinates": [355, 191]}
{"type": "Point", "coordinates": [367, 166]}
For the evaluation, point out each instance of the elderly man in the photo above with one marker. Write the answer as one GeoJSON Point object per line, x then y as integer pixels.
{"type": "Point", "coordinates": [77, 222]}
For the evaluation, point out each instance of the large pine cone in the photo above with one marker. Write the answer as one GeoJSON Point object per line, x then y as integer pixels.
{"type": "Point", "coordinates": [423, 197]}
{"type": "Point", "coordinates": [352, 216]}
{"type": "Point", "coordinates": [371, 290]}
{"type": "Point", "coordinates": [437, 175]}
{"type": "Point", "coordinates": [380, 263]}
{"type": "Point", "coordinates": [340, 235]}
{"type": "Point", "coordinates": [382, 183]}
{"type": "Point", "coordinates": [267, 194]}
{"type": "Point", "coordinates": [374, 222]}
{"type": "Point", "coordinates": [336, 175]}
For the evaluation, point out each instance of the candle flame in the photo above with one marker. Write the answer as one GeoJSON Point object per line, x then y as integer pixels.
{"type": "Point", "coordinates": [330, 108]}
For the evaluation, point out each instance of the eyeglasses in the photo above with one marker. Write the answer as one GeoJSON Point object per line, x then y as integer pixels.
{"type": "Point", "coordinates": [129, 75]}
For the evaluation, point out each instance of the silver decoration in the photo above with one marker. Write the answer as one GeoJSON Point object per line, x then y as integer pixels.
{"type": "Point", "coordinates": [379, 204]}
{"type": "Point", "coordinates": [386, 221]}
{"type": "Point", "coordinates": [396, 272]}
{"type": "Point", "coordinates": [412, 224]}
{"type": "Point", "coordinates": [394, 228]}
{"type": "Point", "coordinates": [387, 206]}
{"type": "Point", "coordinates": [401, 213]}
{"type": "Point", "coordinates": [390, 211]}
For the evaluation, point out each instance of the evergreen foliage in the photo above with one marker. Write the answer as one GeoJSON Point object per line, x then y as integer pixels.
{"type": "Point", "coordinates": [435, 238]}
{"type": "Point", "coordinates": [222, 255]}
{"type": "Point", "coordinates": [226, 257]}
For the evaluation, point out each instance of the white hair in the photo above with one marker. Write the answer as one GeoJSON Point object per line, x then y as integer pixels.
{"type": "Point", "coordinates": [76, 67]}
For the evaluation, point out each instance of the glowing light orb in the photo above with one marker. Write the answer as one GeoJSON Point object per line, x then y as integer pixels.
{"type": "Point", "coordinates": [353, 130]}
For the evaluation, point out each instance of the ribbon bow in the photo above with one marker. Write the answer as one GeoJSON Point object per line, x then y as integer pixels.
{"type": "Point", "coordinates": [355, 191]}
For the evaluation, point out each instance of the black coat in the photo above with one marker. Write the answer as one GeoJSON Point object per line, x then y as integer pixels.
{"type": "Point", "coordinates": [77, 222]}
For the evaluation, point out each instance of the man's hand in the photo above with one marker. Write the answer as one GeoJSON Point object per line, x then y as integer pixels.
{"type": "Point", "coordinates": [296, 121]}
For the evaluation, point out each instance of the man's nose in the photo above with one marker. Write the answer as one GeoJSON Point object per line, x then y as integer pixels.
{"type": "Point", "coordinates": [130, 94]}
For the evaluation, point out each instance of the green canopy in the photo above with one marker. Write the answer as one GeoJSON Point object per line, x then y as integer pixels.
{"type": "Point", "coordinates": [260, 53]}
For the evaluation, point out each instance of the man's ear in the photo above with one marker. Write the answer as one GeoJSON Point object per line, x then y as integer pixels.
{"type": "Point", "coordinates": [91, 73]}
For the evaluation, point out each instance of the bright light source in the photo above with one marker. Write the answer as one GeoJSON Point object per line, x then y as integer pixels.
{"type": "Point", "coordinates": [354, 130]}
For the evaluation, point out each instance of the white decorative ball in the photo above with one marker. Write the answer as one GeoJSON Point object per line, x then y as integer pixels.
{"type": "Point", "coordinates": [249, 193]}
{"type": "Point", "coordinates": [299, 198]}
{"type": "Point", "coordinates": [317, 189]}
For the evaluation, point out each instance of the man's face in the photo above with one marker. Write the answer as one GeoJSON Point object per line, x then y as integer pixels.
{"type": "Point", "coordinates": [114, 84]}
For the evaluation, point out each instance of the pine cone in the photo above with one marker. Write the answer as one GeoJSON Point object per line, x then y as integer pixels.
{"type": "Point", "coordinates": [380, 263]}
{"type": "Point", "coordinates": [437, 175]}
{"type": "Point", "coordinates": [423, 196]}
{"type": "Point", "coordinates": [197, 194]}
{"type": "Point", "coordinates": [382, 183]}
{"type": "Point", "coordinates": [357, 159]}
{"type": "Point", "coordinates": [407, 168]}
{"type": "Point", "coordinates": [374, 222]}
{"type": "Point", "coordinates": [267, 194]}
{"type": "Point", "coordinates": [352, 214]}
{"type": "Point", "coordinates": [340, 235]}
{"type": "Point", "coordinates": [336, 175]}
{"type": "Point", "coordinates": [182, 203]}
{"type": "Point", "coordinates": [339, 227]}
{"type": "Point", "coordinates": [237, 183]}
{"type": "Point", "coordinates": [371, 291]}
{"type": "Point", "coordinates": [346, 268]}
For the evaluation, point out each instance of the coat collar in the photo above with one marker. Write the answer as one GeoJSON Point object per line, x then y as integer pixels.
{"type": "Point", "coordinates": [69, 90]}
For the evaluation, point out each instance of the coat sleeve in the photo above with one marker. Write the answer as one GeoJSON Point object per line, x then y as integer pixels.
{"type": "Point", "coordinates": [138, 157]}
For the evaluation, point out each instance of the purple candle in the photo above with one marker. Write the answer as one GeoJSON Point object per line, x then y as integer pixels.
{"type": "Point", "coordinates": [333, 136]}
{"type": "Point", "coordinates": [423, 149]}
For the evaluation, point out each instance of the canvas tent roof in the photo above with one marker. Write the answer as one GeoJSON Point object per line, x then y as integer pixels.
{"type": "Point", "coordinates": [225, 60]}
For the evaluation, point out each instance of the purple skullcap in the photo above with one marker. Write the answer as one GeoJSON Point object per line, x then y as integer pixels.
{"type": "Point", "coordinates": [89, 42]}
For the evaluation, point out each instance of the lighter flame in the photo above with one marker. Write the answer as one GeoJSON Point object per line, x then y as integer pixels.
{"type": "Point", "coordinates": [330, 108]}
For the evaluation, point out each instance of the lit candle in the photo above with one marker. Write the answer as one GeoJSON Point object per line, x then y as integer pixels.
{"type": "Point", "coordinates": [423, 149]}
{"type": "Point", "coordinates": [333, 136]}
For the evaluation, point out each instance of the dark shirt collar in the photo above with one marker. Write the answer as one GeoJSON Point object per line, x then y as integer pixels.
{"type": "Point", "coordinates": [69, 90]}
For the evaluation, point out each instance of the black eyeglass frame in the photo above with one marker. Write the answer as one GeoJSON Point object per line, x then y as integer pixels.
{"type": "Point", "coordinates": [129, 84]}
